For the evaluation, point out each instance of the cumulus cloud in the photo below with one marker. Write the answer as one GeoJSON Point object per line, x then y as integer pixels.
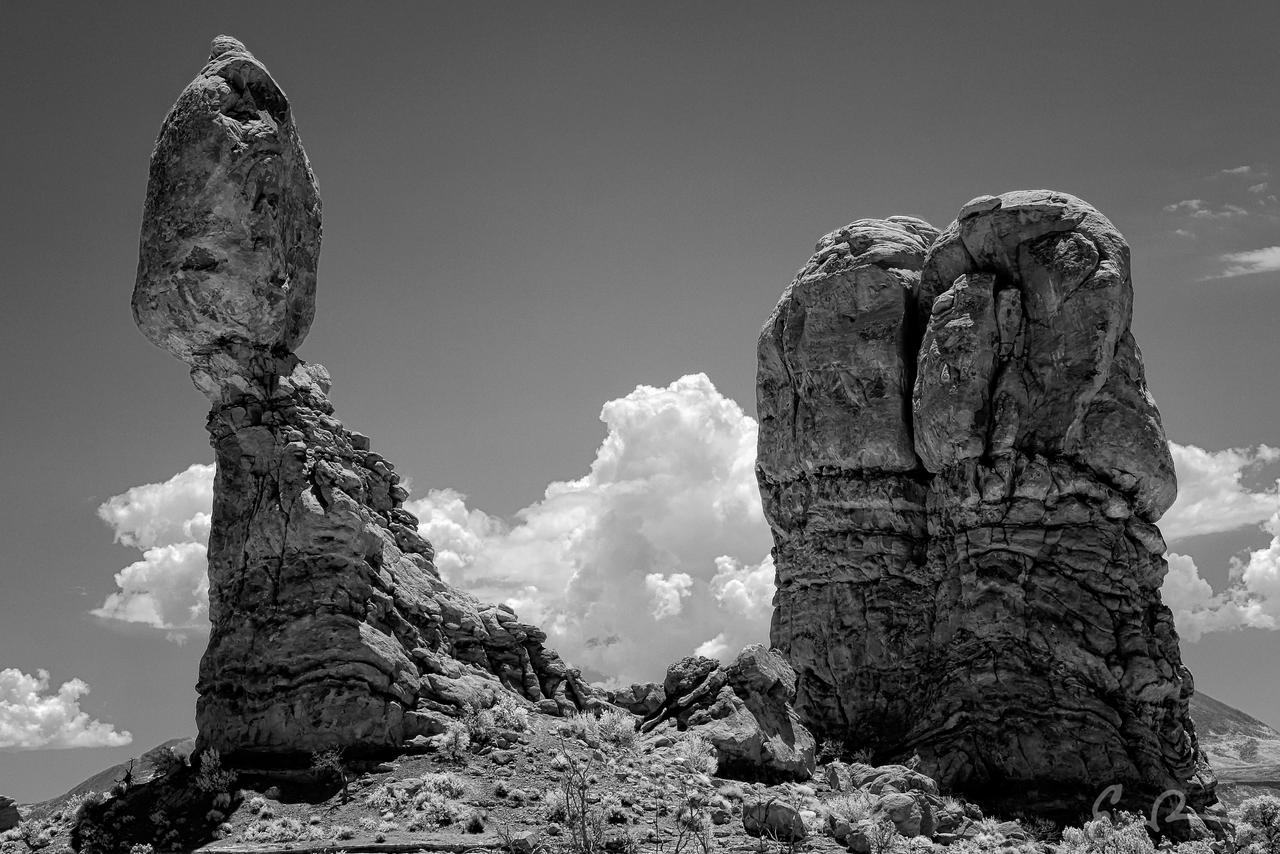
{"type": "Point", "coordinates": [32, 717]}
{"type": "Point", "coordinates": [660, 549]}
{"type": "Point", "coordinates": [657, 552]}
{"type": "Point", "coordinates": [1250, 600]}
{"type": "Point", "coordinates": [1212, 494]}
{"type": "Point", "coordinates": [1214, 497]}
{"type": "Point", "coordinates": [168, 588]}
{"type": "Point", "coordinates": [1237, 170]}
{"type": "Point", "coordinates": [1265, 260]}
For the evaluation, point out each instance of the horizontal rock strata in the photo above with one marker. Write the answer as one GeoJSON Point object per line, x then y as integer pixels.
{"type": "Point", "coordinates": [963, 470]}
{"type": "Point", "coordinates": [331, 628]}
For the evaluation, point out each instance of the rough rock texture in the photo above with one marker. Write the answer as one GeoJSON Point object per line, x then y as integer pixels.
{"type": "Point", "coordinates": [963, 469]}
{"type": "Point", "coordinates": [641, 699]}
{"type": "Point", "coordinates": [9, 815]}
{"type": "Point", "coordinates": [330, 626]}
{"type": "Point", "coordinates": [744, 710]}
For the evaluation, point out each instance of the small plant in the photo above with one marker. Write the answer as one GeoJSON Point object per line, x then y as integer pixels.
{"type": "Point", "coordinates": [692, 824]}
{"type": "Point", "coordinates": [481, 724]}
{"type": "Point", "coordinates": [455, 742]}
{"type": "Point", "coordinates": [861, 756]}
{"type": "Point", "coordinates": [618, 728]}
{"type": "Point", "coordinates": [447, 785]}
{"type": "Point", "coordinates": [1125, 834]}
{"type": "Point", "coordinates": [582, 726]}
{"type": "Point", "coordinates": [343, 831]}
{"type": "Point", "coordinates": [277, 830]}
{"type": "Point", "coordinates": [585, 824]}
{"type": "Point", "coordinates": [327, 765]}
{"type": "Point", "coordinates": [1258, 828]}
{"type": "Point", "coordinates": [697, 754]}
{"type": "Point", "coordinates": [432, 810]}
{"type": "Point", "coordinates": [732, 792]}
{"type": "Point", "coordinates": [510, 714]}
{"type": "Point", "coordinates": [212, 777]}
{"type": "Point", "coordinates": [883, 836]}
{"type": "Point", "coordinates": [851, 807]}
{"type": "Point", "coordinates": [474, 822]}
{"type": "Point", "coordinates": [555, 807]}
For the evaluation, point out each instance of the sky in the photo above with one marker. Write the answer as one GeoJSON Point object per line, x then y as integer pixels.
{"type": "Point", "coordinates": [551, 234]}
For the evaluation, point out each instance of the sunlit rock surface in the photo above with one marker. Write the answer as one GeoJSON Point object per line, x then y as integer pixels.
{"type": "Point", "coordinates": [963, 469]}
{"type": "Point", "coordinates": [331, 627]}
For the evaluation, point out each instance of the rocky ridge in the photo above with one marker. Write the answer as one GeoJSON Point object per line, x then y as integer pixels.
{"type": "Point", "coordinates": [331, 628]}
{"type": "Point", "coordinates": [963, 469]}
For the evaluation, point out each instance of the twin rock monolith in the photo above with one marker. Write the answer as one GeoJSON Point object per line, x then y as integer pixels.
{"type": "Point", "coordinates": [331, 628]}
{"type": "Point", "coordinates": [963, 468]}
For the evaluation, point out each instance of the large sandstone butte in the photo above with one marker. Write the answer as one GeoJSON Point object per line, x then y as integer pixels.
{"type": "Point", "coordinates": [331, 628]}
{"type": "Point", "coordinates": [963, 469]}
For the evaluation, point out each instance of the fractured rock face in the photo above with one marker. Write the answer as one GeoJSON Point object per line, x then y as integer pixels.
{"type": "Point", "coordinates": [972, 573]}
{"type": "Point", "coordinates": [231, 225]}
{"type": "Point", "coordinates": [744, 711]}
{"type": "Point", "coordinates": [331, 627]}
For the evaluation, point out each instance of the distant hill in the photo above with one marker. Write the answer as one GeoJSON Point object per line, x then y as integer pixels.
{"type": "Point", "coordinates": [105, 779]}
{"type": "Point", "coordinates": [1243, 751]}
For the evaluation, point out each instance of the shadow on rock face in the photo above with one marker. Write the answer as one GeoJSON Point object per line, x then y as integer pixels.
{"type": "Point", "coordinates": [962, 468]}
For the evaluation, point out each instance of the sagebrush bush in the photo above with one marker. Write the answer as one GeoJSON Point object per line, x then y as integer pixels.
{"type": "Point", "coordinates": [455, 742]}
{"type": "Point", "coordinates": [555, 807]}
{"type": "Point", "coordinates": [1258, 825]}
{"type": "Point", "coordinates": [583, 726]}
{"type": "Point", "coordinates": [697, 754]}
{"type": "Point", "coordinates": [445, 784]}
{"type": "Point", "coordinates": [852, 807]}
{"type": "Point", "coordinates": [617, 727]}
{"type": "Point", "coordinates": [510, 714]}
{"type": "Point", "coordinates": [212, 777]}
{"type": "Point", "coordinates": [1127, 834]}
{"type": "Point", "coordinates": [276, 830]}
{"type": "Point", "coordinates": [432, 810]}
{"type": "Point", "coordinates": [481, 724]}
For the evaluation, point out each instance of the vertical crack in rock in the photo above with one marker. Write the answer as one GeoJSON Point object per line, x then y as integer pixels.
{"type": "Point", "coordinates": [330, 626]}
{"type": "Point", "coordinates": [978, 581]}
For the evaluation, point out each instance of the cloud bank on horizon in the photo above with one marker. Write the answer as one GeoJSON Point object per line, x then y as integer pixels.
{"type": "Point", "coordinates": [661, 549]}
{"type": "Point", "coordinates": [33, 718]}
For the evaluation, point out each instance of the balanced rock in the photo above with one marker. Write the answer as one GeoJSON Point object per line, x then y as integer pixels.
{"type": "Point", "coordinates": [963, 468]}
{"type": "Point", "coordinates": [744, 711]}
{"type": "Point", "coordinates": [331, 628]}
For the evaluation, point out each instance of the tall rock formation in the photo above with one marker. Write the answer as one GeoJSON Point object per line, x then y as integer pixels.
{"type": "Point", "coordinates": [331, 627]}
{"type": "Point", "coordinates": [963, 469]}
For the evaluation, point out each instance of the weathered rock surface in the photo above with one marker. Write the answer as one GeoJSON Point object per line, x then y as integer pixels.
{"type": "Point", "coordinates": [774, 819]}
{"type": "Point", "coordinates": [331, 627]}
{"type": "Point", "coordinates": [963, 469]}
{"type": "Point", "coordinates": [231, 226]}
{"type": "Point", "coordinates": [641, 699]}
{"type": "Point", "coordinates": [9, 815]}
{"type": "Point", "coordinates": [744, 710]}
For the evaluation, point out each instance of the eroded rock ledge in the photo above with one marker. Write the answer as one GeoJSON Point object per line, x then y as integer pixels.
{"type": "Point", "coordinates": [963, 469]}
{"type": "Point", "coordinates": [331, 627]}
